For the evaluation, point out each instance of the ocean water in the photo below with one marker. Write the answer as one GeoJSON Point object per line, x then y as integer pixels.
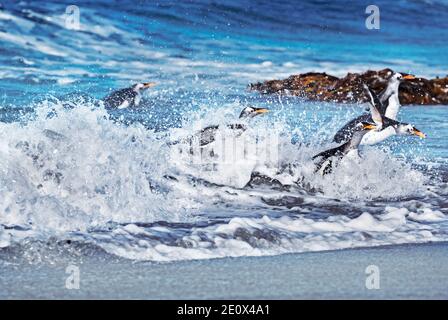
{"type": "Point", "coordinates": [75, 175]}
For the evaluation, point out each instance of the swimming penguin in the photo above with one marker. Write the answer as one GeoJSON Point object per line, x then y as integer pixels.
{"type": "Point", "coordinates": [387, 127]}
{"type": "Point", "coordinates": [349, 148]}
{"type": "Point", "coordinates": [127, 98]}
{"type": "Point", "coordinates": [208, 134]}
{"type": "Point", "coordinates": [387, 103]}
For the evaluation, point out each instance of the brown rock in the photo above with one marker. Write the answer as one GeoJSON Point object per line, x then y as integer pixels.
{"type": "Point", "coordinates": [324, 87]}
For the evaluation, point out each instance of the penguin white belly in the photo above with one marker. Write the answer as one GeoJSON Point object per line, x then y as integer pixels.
{"type": "Point", "coordinates": [393, 107]}
{"type": "Point", "coordinates": [374, 137]}
{"type": "Point", "coordinates": [137, 100]}
{"type": "Point", "coordinates": [124, 105]}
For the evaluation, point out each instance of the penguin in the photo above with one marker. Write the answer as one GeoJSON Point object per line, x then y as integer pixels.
{"type": "Point", "coordinates": [349, 148]}
{"type": "Point", "coordinates": [382, 128]}
{"type": "Point", "coordinates": [128, 97]}
{"type": "Point", "coordinates": [387, 126]}
{"type": "Point", "coordinates": [208, 134]}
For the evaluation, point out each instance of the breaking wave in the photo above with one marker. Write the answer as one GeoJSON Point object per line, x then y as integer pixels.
{"type": "Point", "coordinates": [74, 172]}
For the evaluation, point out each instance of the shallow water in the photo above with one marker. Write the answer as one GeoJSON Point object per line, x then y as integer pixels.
{"type": "Point", "coordinates": [70, 171]}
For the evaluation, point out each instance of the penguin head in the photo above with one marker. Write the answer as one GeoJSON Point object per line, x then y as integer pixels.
{"type": "Point", "coordinates": [365, 126]}
{"type": "Point", "coordinates": [142, 86]}
{"type": "Point", "coordinates": [407, 129]}
{"type": "Point", "coordinates": [398, 77]}
{"type": "Point", "coordinates": [250, 112]}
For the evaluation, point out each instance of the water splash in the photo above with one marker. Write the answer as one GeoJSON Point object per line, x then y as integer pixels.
{"type": "Point", "coordinates": [74, 172]}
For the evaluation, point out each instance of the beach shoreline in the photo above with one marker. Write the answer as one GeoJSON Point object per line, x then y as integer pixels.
{"type": "Point", "coordinates": [408, 271]}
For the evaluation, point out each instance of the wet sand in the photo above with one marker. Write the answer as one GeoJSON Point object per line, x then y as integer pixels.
{"type": "Point", "coordinates": [405, 272]}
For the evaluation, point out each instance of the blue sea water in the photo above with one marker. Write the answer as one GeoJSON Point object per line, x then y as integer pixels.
{"type": "Point", "coordinates": [71, 172]}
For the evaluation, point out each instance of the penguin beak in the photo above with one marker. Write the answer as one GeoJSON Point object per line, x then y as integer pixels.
{"type": "Point", "coordinates": [409, 77]}
{"type": "Point", "coordinates": [261, 110]}
{"type": "Point", "coordinates": [368, 126]}
{"type": "Point", "coordinates": [419, 133]}
{"type": "Point", "coordinates": [147, 85]}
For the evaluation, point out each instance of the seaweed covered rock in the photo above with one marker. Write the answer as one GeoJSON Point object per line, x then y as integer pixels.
{"type": "Point", "coordinates": [323, 87]}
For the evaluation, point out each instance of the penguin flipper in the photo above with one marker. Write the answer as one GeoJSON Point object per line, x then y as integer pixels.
{"type": "Point", "coordinates": [326, 155]}
{"type": "Point", "coordinates": [384, 97]}
{"type": "Point", "coordinates": [376, 106]}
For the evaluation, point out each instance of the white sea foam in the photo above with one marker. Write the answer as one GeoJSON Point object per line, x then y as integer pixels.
{"type": "Point", "coordinates": [267, 236]}
{"type": "Point", "coordinates": [73, 171]}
